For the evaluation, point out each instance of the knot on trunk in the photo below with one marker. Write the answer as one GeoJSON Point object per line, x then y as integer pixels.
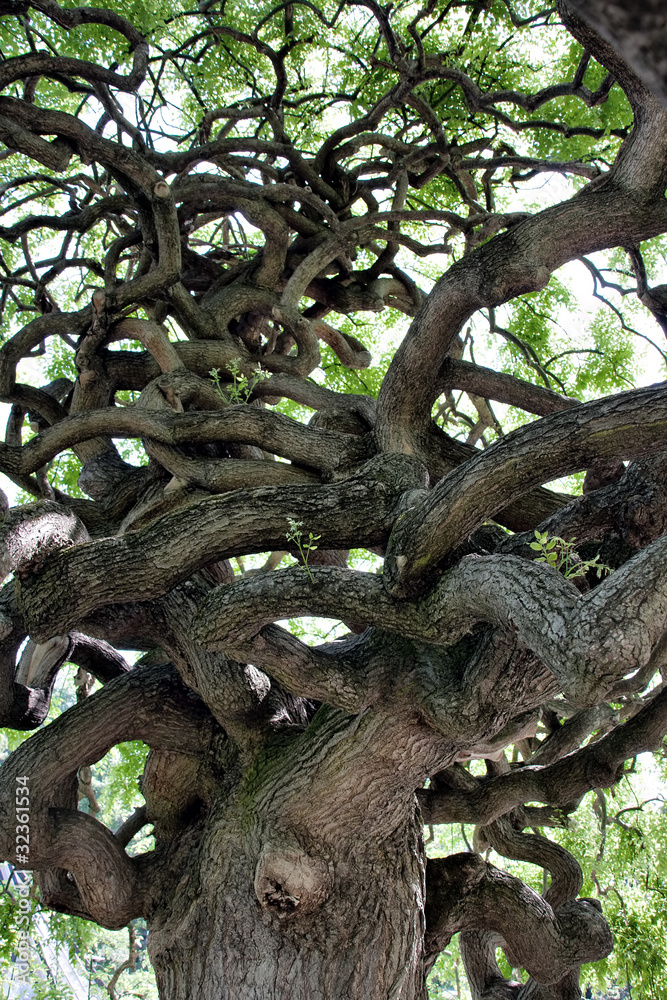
{"type": "Point", "coordinates": [602, 773]}
{"type": "Point", "coordinates": [289, 880]}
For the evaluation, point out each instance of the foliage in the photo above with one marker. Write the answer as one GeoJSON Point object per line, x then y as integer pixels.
{"type": "Point", "coordinates": [304, 545]}
{"type": "Point", "coordinates": [286, 185]}
{"type": "Point", "coordinates": [563, 556]}
{"type": "Point", "coordinates": [242, 385]}
{"type": "Point", "coordinates": [119, 778]}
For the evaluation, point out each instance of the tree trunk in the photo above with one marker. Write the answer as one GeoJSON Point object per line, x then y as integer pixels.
{"type": "Point", "coordinates": [299, 872]}
{"type": "Point", "coordinates": [255, 915]}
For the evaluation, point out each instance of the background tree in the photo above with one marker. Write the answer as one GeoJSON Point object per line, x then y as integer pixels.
{"type": "Point", "coordinates": [201, 209]}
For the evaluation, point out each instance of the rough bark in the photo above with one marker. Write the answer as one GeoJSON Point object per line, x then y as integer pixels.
{"type": "Point", "coordinates": [638, 31]}
{"type": "Point", "coordinates": [286, 784]}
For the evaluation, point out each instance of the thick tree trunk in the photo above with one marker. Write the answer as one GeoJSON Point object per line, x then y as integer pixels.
{"type": "Point", "coordinates": [256, 916]}
{"type": "Point", "coordinates": [300, 871]}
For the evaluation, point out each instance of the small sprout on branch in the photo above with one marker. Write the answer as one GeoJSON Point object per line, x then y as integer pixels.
{"type": "Point", "coordinates": [562, 555]}
{"type": "Point", "coordinates": [215, 376]}
{"type": "Point", "coordinates": [242, 386]}
{"type": "Point", "coordinates": [305, 546]}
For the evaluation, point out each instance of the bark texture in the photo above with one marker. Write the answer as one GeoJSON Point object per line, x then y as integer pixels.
{"type": "Point", "coordinates": [209, 276]}
{"type": "Point", "coordinates": [638, 31]}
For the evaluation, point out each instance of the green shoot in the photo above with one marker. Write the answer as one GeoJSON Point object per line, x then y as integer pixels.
{"type": "Point", "coordinates": [242, 386]}
{"type": "Point", "coordinates": [305, 546]}
{"type": "Point", "coordinates": [562, 555]}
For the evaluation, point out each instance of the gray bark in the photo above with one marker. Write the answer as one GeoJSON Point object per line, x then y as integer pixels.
{"type": "Point", "coordinates": [284, 782]}
{"type": "Point", "coordinates": [638, 30]}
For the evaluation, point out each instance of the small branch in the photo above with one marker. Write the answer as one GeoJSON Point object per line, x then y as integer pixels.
{"type": "Point", "coordinates": [130, 827]}
{"type": "Point", "coordinates": [503, 388]}
{"type": "Point", "coordinates": [129, 963]}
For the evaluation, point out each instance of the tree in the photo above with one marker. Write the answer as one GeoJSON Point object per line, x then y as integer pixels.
{"type": "Point", "coordinates": [638, 31]}
{"type": "Point", "coordinates": [217, 192]}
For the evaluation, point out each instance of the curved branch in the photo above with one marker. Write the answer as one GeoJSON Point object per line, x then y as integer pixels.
{"type": "Point", "coordinates": [149, 704]}
{"type": "Point", "coordinates": [44, 64]}
{"type": "Point", "coordinates": [224, 475]}
{"type": "Point", "coordinates": [595, 765]}
{"type": "Point", "coordinates": [328, 673]}
{"type": "Point", "coordinates": [634, 508]}
{"type": "Point", "coordinates": [153, 337]}
{"type": "Point", "coordinates": [308, 446]}
{"type": "Point", "coordinates": [231, 616]}
{"type": "Point", "coordinates": [93, 655]}
{"type": "Point", "coordinates": [107, 879]}
{"type": "Point", "coordinates": [566, 875]}
{"type": "Point", "coordinates": [72, 17]}
{"type": "Point", "coordinates": [19, 707]}
{"type": "Point", "coordinates": [637, 30]}
{"type": "Point", "coordinates": [587, 642]}
{"type": "Point", "coordinates": [628, 425]}
{"type": "Point", "coordinates": [317, 397]}
{"type": "Point", "coordinates": [478, 951]}
{"type": "Point", "coordinates": [457, 374]}
{"type": "Point", "coordinates": [238, 695]}
{"type": "Point", "coordinates": [130, 827]}
{"type": "Point", "coordinates": [30, 533]}
{"type": "Point", "coordinates": [347, 349]}
{"type": "Point", "coordinates": [25, 692]}
{"type": "Point", "coordinates": [572, 733]}
{"type": "Point", "coordinates": [521, 261]}
{"type": "Point", "coordinates": [464, 892]}
{"type": "Point", "coordinates": [138, 566]}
